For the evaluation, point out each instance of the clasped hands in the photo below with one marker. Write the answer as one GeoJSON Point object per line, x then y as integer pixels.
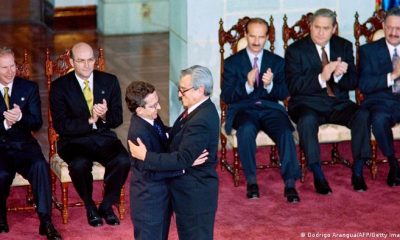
{"type": "Point", "coordinates": [139, 151]}
{"type": "Point", "coordinates": [12, 115]}
{"type": "Point", "coordinates": [396, 70]}
{"type": "Point", "coordinates": [266, 77]}
{"type": "Point", "coordinates": [99, 111]}
{"type": "Point", "coordinates": [337, 67]}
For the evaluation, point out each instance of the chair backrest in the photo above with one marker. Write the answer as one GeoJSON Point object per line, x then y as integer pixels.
{"type": "Point", "coordinates": [235, 37]}
{"type": "Point", "coordinates": [371, 30]}
{"type": "Point", "coordinates": [300, 29]}
{"type": "Point", "coordinates": [57, 68]}
{"type": "Point", "coordinates": [24, 68]}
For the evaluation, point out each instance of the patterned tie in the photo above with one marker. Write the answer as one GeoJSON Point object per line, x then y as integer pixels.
{"type": "Point", "coordinates": [396, 85]}
{"type": "Point", "coordinates": [255, 66]}
{"type": "Point", "coordinates": [87, 92]}
{"type": "Point", "coordinates": [329, 83]}
{"type": "Point", "coordinates": [184, 115]}
{"type": "Point", "coordinates": [160, 131]}
{"type": "Point", "coordinates": [6, 98]}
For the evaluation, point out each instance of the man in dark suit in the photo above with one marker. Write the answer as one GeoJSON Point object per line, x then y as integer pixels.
{"type": "Point", "coordinates": [19, 150]}
{"type": "Point", "coordinates": [149, 195]}
{"type": "Point", "coordinates": [379, 83]}
{"type": "Point", "coordinates": [194, 194]}
{"type": "Point", "coordinates": [319, 94]}
{"type": "Point", "coordinates": [253, 84]}
{"type": "Point", "coordinates": [85, 104]}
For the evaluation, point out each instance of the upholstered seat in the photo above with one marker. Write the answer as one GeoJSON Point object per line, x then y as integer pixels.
{"type": "Point", "coordinates": [59, 168]}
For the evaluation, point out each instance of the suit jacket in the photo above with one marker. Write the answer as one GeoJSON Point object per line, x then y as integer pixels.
{"type": "Point", "coordinates": [375, 64]}
{"type": "Point", "coordinates": [139, 128]}
{"type": "Point", "coordinates": [196, 191]}
{"type": "Point", "coordinates": [70, 112]}
{"type": "Point", "coordinates": [302, 67]}
{"type": "Point", "coordinates": [233, 90]}
{"type": "Point", "coordinates": [26, 95]}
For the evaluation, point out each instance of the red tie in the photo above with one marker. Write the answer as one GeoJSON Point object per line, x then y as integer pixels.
{"type": "Point", "coordinates": [185, 114]}
{"type": "Point", "coordinates": [255, 66]}
{"type": "Point", "coordinates": [329, 84]}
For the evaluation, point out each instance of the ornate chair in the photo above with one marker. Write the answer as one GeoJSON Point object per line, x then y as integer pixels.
{"type": "Point", "coordinates": [327, 133]}
{"type": "Point", "coordinates": [59, 168]}
{"type": "Point", "coordinates": [23, 70]}
{"type": "Point", "coordinates": [372, 30]}
{"type": "Point", "coordinates": [235, 38]}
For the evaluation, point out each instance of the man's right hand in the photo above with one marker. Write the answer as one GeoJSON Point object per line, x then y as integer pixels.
{"type": "Point", "coordinates": [396, 71]}
{"type": "Point", "coordinates": [251, 77]}
{"type": "Point", "coordinates": [328, 70]}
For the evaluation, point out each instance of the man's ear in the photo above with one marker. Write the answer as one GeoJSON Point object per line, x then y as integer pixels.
{"type": "Point", "coordinates": [71, 61]}
{"type": "Point", "coordinates": [139, 111]}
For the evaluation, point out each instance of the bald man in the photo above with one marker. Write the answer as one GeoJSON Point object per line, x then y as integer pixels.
{"type": "Point", "coordinates": [85, 105]}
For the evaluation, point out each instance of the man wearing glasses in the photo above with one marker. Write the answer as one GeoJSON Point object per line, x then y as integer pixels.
{"type": "Point", "coordinates": [194, 194]}
{"type": "Point", "coordinates": [85, 105]}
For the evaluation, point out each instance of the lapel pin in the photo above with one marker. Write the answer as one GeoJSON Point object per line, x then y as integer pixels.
{"type": "Point", "coordinates": [22, 99]}
{"type": "Point", "coordinates": [103, 92]}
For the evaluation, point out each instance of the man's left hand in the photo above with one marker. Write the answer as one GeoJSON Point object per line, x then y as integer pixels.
{"type": "Point", "coordinates": [137, 151]}
{"type": "Point", "coordinates": [267, 77]}
{"type": "Point", "coordinates": [100, 109]}
{"type": "Point", "coordinates": [12, 115]}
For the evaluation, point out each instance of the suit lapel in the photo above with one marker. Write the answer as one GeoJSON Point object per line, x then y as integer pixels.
{"type": "Point", "coordinates": [312, 52]}
{"type": "Point", "coordinates": [99, 89]}
{"type": "Point", "coordinates": [77, 91]}
{"type": "Point", "coordinates": [383, 51]}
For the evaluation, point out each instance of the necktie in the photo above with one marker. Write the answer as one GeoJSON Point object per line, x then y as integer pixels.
{"type": "Point", "coordinates": [160, 131]}
{"type": "Point", "coordinates": [185, 114]}
{"type": "Point", "coordinates": [329, 84]}
{"type": "Point", "coordinates": [87, 92]}
{"type": "Point", "coordinates": [6, 98]}
{"type": "Point", "coordinates": [396, 85]}
{"type": "Point", "coordinates": [255, 66]}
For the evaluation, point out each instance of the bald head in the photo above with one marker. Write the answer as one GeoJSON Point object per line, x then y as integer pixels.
{"type": "Point", "coordinates": [82, 59]}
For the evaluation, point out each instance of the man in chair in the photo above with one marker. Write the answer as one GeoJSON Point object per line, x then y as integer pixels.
{"type": "Point", "coordinates": [319, 72]}
{"type": "Point", "coordinates": [19, 151]}
{"type": "Point", "coordinates": [380, 85]}
{"type": "Point", "coordinates": [85, 105]}
{"type": "Point", "coordinates": [253, 84]}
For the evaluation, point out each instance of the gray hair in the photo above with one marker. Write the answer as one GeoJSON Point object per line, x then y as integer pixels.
{"type": "Point", "coordinates": [5, 51]}
{"type": "Point", "coordinates": [201, 76]}
{"type": "Point", "coordinates": [394, 11]}
{"type": "Point", "coordinates": [324, 12]}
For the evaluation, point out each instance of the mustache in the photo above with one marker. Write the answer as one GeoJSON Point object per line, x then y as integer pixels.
{"type": "Point", "coordinates": [394, 36]}
{"type": "Point", "coordinates": [255, 45]}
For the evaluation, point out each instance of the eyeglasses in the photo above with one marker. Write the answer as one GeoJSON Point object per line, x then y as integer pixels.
{"type": "Point", "coordinates": [155, 106]}
{"type": "Point", "coordinates": [183, 91]}
{"type": "Point", "coordinates": [88, 61]}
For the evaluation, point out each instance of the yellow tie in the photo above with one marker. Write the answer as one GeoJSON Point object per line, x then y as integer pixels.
{"type": "Point", "coordinates": [88, 95]}
{"type": "Point", "coordinates": [6, 98]}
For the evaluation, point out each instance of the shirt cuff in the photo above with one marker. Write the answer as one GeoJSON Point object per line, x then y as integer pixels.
{"type": "Point", "coordinates": [249, 89]}
{"type": "Point", "coordinates": [390, 82]}
{"type": "Point", "coordinates": [322, 83]}
{"type": "Point", "coordinates": [337, 78]}
{"type": "Point", "coordinates": [6, 127]}
{"type": "Point", "coordinates": [269, 87]}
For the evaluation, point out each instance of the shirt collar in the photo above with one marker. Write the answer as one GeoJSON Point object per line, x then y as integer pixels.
{"type": "Point", "coordinates": [327, 49]}
{"type": "Point", "coordinates": [192, 108]}
{"type": "Point", "coordinates": [81, 81]}
{"type": "Point", "coordinates": [150, 121]}
{"type": "Point", "coordinates": [252, 56]}
{"type": "Point", "coordinates": [391, 49]}
{"type": "Point", "coordinates": [9, 88]}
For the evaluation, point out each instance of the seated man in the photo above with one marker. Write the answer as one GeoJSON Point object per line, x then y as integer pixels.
{"type": "Point", "coordinates": [149, 194]}
{"type": "Point", "coordinates": [85, 104]}
{"type": "Point", "coordinates": [380, 85]}
{"type": "Point", "coordinates": [253, 84]}
{"type": "Point", "coordinates": [319, 72]}
{"type": "Point", "coordinates": [20, 152]}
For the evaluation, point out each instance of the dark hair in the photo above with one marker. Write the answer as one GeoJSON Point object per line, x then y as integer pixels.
{"type": "Point", "coordinates": [324, 12]}
{"type": "Point", "coordinates": [394, 11]}
{"type": "Point", "coordinates": [135, 94]}
{"type": "Point", "coordinates": [256, 20]}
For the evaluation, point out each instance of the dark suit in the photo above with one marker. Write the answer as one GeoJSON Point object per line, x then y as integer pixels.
{"type": "Point", "coordinates": [79, 144]}
{"type": "Point", "coordinates": [384, 106]}
{"type": "Point", "coordinates": [194, 194]}
{"type": "Point", "coordinates": [310, 105]}
{"type": "Point", "coordinates": [259, 110]}
{"type": "Point", "coordinates": [150, 198]}
{"type": "Point", "coordinates": [19, 150]}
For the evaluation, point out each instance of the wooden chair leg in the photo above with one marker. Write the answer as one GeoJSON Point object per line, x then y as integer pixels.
{"type": "Point", "coordinates": [64, 197]}
{"type": "Point", "coordinates": [303, 165]}
{"type": "Point", "coordinates": [121, 205]}
{"type": "Point", "coordinates": [223, 152]}
{"type": "Point", "coordinates": [236, 167]}
{"type": "Point", "coordinates": [29, 196]}
{"type": "Point", "coordinates": [374, 166]}
{"type": "Point", "coordinates": [274, 156]}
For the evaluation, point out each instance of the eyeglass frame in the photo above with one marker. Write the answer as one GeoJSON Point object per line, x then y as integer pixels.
{"type": "Point", "coordinates": [88, 61]}
{"type": "Point", "coordinates": [184, 91]}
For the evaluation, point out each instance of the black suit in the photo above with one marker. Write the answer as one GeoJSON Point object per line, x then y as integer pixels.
{"type": "Point", "coordinates": [150, 198]}
{"type": "Point", "coordinates": [194, 194]}
{"type": "Point", "coordinates": [79, 144]}
{"type": "Point", "coordinates": [259, 110]}
{"type": "Point", "coordinates": [384, 106]}
{"type": "Point", "coordinates": [310, 105]}
{"type": "Point", "coordinates": [19, 150]}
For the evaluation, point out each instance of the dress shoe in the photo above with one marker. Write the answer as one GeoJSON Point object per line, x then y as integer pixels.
{"type": "Point", "coordinates": [291, 195]}
{"type": "Point", "coordinates": [358, 183]}
{"type": "Point", "coordinates": [47, 229]}
{"type": "Point", "coordinates": [93, 217]}
{"type": "Point", "coordinates": [4, 224]}
{"type": "Point", "coordinates": [392, 178]}
{"type": "Point", "coordinates": [109, 216]}
{"type": "Point", "coordinates": [322, 186]}
{"type": "Point", "coordinates": [252, 191]}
